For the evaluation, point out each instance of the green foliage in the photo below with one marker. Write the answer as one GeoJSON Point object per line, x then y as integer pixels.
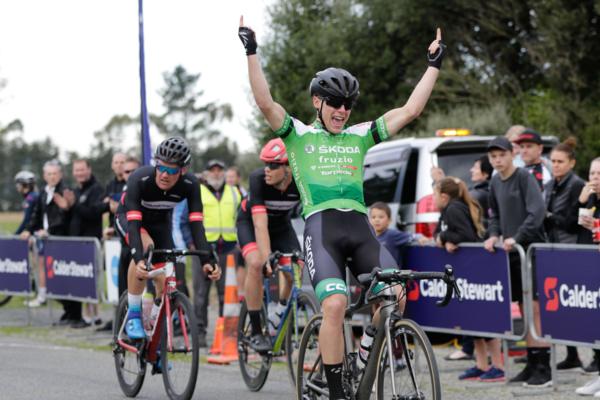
{"type": "Point", "coordinates": [485, 120]}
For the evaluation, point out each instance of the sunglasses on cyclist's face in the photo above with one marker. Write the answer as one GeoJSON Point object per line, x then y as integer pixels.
{"type": "Point", "coordinates": [169, 170]}
{"type": "Point", "coordinates": [337, 102]}
{"type": "Point", "coordinates": [273, 166]}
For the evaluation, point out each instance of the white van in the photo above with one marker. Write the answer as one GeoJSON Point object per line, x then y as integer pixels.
{"type": "Point", "coordinates": [398, 172]}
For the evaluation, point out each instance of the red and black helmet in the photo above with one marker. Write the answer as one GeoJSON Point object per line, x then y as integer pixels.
{"type": "Point", "coordinates": [274, 152]}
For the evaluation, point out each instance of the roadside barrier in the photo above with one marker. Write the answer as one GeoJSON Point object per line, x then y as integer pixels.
{"type": "Point", "coordinates": [71, 266]}
{"type": "Point", "coordinates": [231, 311]}
{"type": "Point", "coordinates": [484, 280]}
{"type": "Point", "coordinates": [14, 266]}
{"type": "Point", "coordinates": [568, 283]}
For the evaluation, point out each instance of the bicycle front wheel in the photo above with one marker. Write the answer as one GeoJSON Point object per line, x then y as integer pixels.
{"type": "Point", "coordinates": [253, 366]}
{"type": "Point", "coordinates": [304, 307]}
{"type": "Point", "coordinates": [130, 367]}
{"type": "Point", "coordinates": [179, 356]}
{"type": "Point", "coordinates": [415, 373]}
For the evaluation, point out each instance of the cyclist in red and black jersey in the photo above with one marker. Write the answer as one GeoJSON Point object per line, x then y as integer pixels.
{"type": "Point", "coordinates": [144, 218]}
{"type": "Point", "coordinates": [264, 225]}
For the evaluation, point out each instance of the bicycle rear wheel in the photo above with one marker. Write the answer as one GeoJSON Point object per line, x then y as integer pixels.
{"type": "Point", "coordinates": [304, 307]}
{"type": "Point", "coordinates": [179, 359]}
{"type": "Point", "coordinates": [253, 366]}
{"type": "Point", "coordinates": [130, 367]}
{"type": "Point", "coordinates": [415, 374]}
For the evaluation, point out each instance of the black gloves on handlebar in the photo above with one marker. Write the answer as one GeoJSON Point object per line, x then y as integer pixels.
{"type": "Point", "coordinates": [248, 39]}
{"type": "Point", "coordinates": [435, 59]}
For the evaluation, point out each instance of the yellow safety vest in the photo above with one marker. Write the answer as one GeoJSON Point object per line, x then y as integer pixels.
{"type": "Point", "coordinates": [220, 215]}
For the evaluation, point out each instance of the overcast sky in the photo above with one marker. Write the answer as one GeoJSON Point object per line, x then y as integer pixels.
{"type": "Point", "coordinates": [70, 65]}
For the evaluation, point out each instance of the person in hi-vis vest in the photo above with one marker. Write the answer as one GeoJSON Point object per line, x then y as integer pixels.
{"type": "Point", "coordinates": [220, 203]}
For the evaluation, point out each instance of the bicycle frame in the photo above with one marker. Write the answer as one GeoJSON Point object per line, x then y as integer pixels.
{"type": "Point", "coordinates": [296, 270]}
{"type": "Point", "coordinates": [152, 344]}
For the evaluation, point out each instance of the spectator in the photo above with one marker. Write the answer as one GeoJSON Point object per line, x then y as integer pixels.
{"type": "Point", "coordinates": [481, 173]}
{"type": "Point", "coordinates": [589, 198]}
{"type": "Point", "coordinates": [562, 204]}
{"type": "Point", "coordinates": [233, 178]}
{"type": "Point", "coordinates": [50, 217]}
{"type": "Point", "coordinates": [87, 206]}
{"type": "Point", "coordinates": [517, 215]}
{"type": "Point", "coordinates": [512, 134]}
{"type": "Point", "coordinates": [380, 217]}
{"type": "Point", "coordinates": [131, 164]}
{"type": "Point", "coordinates": [114, 188]}
{"type": "Point", "coordinates": [531, 153]}
{"type": "Point", "coordinates": [461, 221]}
{"type": "Point", "coordinates": [25, 184]}
{"type": "Point", "coordinates": [220, 203]}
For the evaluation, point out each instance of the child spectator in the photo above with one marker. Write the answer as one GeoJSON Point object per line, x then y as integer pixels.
{"type": "Point", "coordinates": [517, 215]}
{"type": "Point", "coordinates": [461, 221]}
{"type": "Point", "coordinates": [380, 217]}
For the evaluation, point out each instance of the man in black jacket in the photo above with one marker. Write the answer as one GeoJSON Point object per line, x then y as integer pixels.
{"type": "Point", "coordinates": [87, 207]}
{"type": "Point", "coordinates": [50, 217]}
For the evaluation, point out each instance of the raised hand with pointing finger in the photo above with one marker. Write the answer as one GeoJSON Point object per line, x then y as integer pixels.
{"type": "Point", "coordinates": [436, 51]}
{"type": "Point", "coordinates": [247, 37]}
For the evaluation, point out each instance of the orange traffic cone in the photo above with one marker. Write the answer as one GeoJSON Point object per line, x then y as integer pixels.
{"type": "Point", "coordinates": [218, 337]}
{"type": "Point", "coordinates": [226, 351]}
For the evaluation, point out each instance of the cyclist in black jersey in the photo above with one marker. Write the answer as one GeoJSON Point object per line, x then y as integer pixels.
{"type": "Point", "coordinates": [327, 160]}
{"type": "Point", "coordinates": [144, 218]}
{"type": "Point", "coordinates": [263, 226]}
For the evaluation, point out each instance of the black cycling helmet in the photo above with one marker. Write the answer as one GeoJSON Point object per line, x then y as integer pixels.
{"type": "Point", "coordinates": [174, 150]}
{"type": "Point", "coordinates": [334, 82]}
{"type": "Point", "coordinates": [25, 177]}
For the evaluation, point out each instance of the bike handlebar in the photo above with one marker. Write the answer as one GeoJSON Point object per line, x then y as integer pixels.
{"type": "Point", "coordinates": [402, 276]}
{"type": "Point", "coordinates": [172, 254]}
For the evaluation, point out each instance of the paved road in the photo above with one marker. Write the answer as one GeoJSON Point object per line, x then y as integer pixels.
{"type": "Point", "coordinates": [44, 362]}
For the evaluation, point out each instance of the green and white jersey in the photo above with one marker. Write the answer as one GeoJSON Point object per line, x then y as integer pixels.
{"type": "Point", "coordinates": [328, 168]}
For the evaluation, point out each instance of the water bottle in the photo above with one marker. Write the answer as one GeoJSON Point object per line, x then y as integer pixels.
{"type": "Point", "coordinates": [147, 304]}
{"type": "Point", "coordinates": [366, 343]}
{"type": "Point", "coordinates": [154, 312]}
{"type": "Point", "coordinates": [275, 314]}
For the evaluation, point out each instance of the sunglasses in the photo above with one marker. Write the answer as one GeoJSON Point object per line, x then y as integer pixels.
{"type": "Point", "coordinates": [168, 170]}
{"type": "Point", "coordinates": [273, 165]}
{"type": "Point", "coordinates": [337, 102]}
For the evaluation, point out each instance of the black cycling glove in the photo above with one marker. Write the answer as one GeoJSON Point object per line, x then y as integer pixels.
{"type": "Point", "coordinates": [248, 39]}
{"type": "Point", "coordinates": [435, 59]}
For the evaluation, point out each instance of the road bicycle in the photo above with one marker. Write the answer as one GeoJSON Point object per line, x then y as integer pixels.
{"type": "Point", "coordinates": [301, 306]}
{"type": "Point", "coordinates": [401, 362]}
{"type": "Point", "coordinates": [171, 347]}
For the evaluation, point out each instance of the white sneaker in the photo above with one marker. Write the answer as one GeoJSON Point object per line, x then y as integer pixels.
{"type": "Point", "coordinates": [36, 302]}
{"type": "Point", "coordinates": [590, 388]}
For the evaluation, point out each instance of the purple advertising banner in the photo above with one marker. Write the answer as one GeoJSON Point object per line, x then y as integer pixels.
{"type": "Point", "coordinates": [569, 293]}
{"type": "Point", "coordinates": [483, 279]}
{"type": "Point", "coordinates": [71, 268]}
{"type": "Point", "coordinates": [14, 266]}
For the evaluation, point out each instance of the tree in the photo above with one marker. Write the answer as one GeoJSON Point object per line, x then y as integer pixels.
{"type": "Point", "coordinates": [185, 117]}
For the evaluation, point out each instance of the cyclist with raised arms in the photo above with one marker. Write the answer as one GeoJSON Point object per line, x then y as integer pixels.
{"type": "Point", "coordinates": [326, 158]}
{"type": "Point", "coordinates": [264, 225]}
{"type": "Point", "coordinates": [144, 218]}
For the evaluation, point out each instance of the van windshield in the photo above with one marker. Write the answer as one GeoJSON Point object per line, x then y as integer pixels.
{"type": "Point", "coordinates": [380, 182]}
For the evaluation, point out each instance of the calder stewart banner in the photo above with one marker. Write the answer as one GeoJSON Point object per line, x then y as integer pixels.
{"type": "Point", "coordinates": [484, 282]}
{"type": "Point", "coordinates": [569, 293]}
{"type": "Point", "coordinates": [71, 269]}
{"type": "Point", "coordinates": [14, 266]}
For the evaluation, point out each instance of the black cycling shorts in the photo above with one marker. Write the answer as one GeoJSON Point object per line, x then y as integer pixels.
{"type": "Point", "coordinates": [333, 236]}
{"type": "Point", "coordinates": [283, 239]}
{"type": "Point", "coordinates": [160, 232]}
